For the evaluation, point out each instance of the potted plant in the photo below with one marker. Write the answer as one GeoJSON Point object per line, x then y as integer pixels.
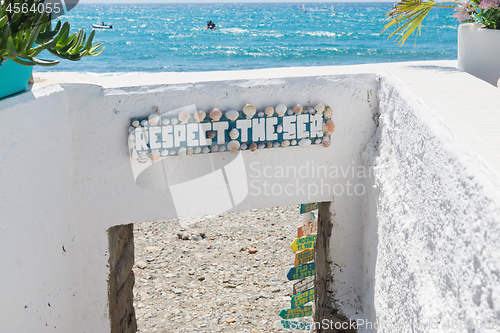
{"type": "Point", "coordinates": [478, 38]}
{"type": "Point", "coordinates": [25, 31]}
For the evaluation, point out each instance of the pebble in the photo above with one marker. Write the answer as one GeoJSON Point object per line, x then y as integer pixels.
{"type": "Point", "coordinates": [230, 320]}
{"type": "Point", "coordinates": [252, 251]}
{"type": "Point", "coordinates": [153, 248]}
{"type": "Point", "coordinates": [203, 273]}
{"type": "Point", "coordinates": [142, 264]}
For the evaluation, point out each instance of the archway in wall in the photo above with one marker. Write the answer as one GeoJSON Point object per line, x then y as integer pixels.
{"type": "Point", "coordinates": [219, 273]}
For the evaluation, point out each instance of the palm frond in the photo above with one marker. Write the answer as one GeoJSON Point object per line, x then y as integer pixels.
{"type": "Point", "coordinates": [410, 14]}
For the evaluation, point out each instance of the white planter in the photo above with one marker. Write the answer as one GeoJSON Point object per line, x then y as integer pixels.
{"type": "Point", "coordinates": [479, 52]}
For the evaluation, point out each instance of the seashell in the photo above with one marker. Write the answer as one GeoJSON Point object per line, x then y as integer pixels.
{"type": "Point", "coordinates": [285, 143]}
{"type": "Point", "coordinates": [165, 121]}
{"type": "Point", "coordinates": [210, 134]}
{"type": "Point", "coordinates": [131, 129]}
{"type": "Point", "coordinates": [131, 144]}
{"type": "Point", "coordinates": [270, 111]}
{"type": "Point", "coordinates": [297, 109]}
{"type": "Point", "coordinates": [190, 151]}
{"type": "Point", "coordinates": [253, 146]}
{"type": "Point", "coordinates": [182, 152]}
{"type": "Point", "coordinates": [249, 110]}
{"type": "Point", "coordinates": [261, 145]}
{"type": "Point", "coordinates": [293, 142]}
{"type": "Point", "coordinates": [164, 152]}
{"type": "Point", "coordinates": [144, 123]}
{"type": "Point", "coordinates": [222, 148]}
{"type": "Point", "coordinates": [174, 121]}
{"type": "Point", "coordinates": [243, 146]}
{"type": "Point", "coordinates": [276, 144]}
{"type": "Point", "coordinates": [233, 146]}
{"type": "Point", "coordinates": [197, 150]}
{"type": "Point", "coordinates": [326, 142]}
{"type": "Point", "coordinates": [317, 141]}
{"type": "Point", "coordinates": [184, 117]}
{"type": "Point", "coordinates": [320, 107]}
{"type": "Point", "coordinates": [131, 137]}
{"type": "Point", "coordinates": [206, 150]}
{"type": "Point", "coordinates": [199, 116]}
{"type": "Point", "coordinates": [261, 114]}
{"type": "Point", "coordinates": [172, 152]}
{"type": "Point", "coordinates": [232, 115]}
{"type": "Point", "coordinates": [328, 112]}
{"type": "Point", "coordinates": [155, 154]}
{"type": "Point", "coordinates": [279, 129]}
{"type": "Point", "coordinates": [281, 110]}
{"type": "Point", "coordinates": [311, 111]}
{"type": "Point", "coordinates": [215, 114]}
{"type": "Point", "coordinates": [329, 127]}
{"type": "Point", "coordinates": [134, 154]}
{"type": "Point", "coordinates": [269, 145]}
{"type": "Point", "coordinates": [305, 143]}
{"type": "Point", "coordinates": [234, 134]}
{"type": "Point", "coordinates": [214, 148]}
{"type": "Point", "coordinates": [289, 112]}
{"type": "Point", "coordinates": [154, 119]}
{"type": "Point", "coordinates": [136, 123]}
{"type": "Point", "coordinates": [143, 157]}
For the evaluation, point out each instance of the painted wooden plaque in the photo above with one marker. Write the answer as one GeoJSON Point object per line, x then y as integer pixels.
{"type": "Point", "coordinates": [303, 285]}
{"type": "Point", "coordinates": [307, 229]}
{"type": "Point", "coordinates": [293, 325]}
{"type": "Point", "coordinates": [304, 257]}
{"type": "Point", "coordinates": [302, 311]}
{"type": "Point", "coordinates": [306, 208]}
{"type": "Point", "coordinates": [303, 243]}
{"type": "Point", "coordinates": [302, 298]}
{"type": "Point", "coordinates": [302, 271]}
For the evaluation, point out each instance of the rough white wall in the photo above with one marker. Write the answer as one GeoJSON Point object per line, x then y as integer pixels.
{"type": "Point", "coordinates": [66, 178]}
{"type": "Point", "coordinates": [437, 204]}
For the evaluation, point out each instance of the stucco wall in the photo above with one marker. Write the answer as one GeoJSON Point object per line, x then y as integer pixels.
{"type": "Point", "coordinates": [421, 244]}
{"type": "Point", "coordinates": [66, 178]}
{"type": "Point", "coordinates": [436, 265]}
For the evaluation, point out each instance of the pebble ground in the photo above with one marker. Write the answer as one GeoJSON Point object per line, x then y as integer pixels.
{"type": "Point", "coordinates": [219, 273]}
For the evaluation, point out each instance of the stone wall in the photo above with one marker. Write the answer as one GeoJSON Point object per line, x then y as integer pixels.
{"type": "Point", "coordinates": [121, 279]}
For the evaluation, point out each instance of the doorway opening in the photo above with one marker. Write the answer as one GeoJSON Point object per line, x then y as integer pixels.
{"type": "Point", "coordinates": [224, 272]}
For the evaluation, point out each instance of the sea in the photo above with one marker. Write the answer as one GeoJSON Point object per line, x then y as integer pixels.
{"type": "Point", "coordinates": [172, 37]}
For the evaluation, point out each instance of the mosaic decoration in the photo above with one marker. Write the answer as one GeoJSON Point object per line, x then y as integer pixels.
{"type": "Point", "coordinates": [191, 132]}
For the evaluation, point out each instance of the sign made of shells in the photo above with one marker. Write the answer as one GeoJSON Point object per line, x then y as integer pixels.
{"type": "Point", "coordinates": [196, 132]}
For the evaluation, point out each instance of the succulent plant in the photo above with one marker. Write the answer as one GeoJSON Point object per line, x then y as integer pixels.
{"type": "Point", "coordinates": [26, 33]}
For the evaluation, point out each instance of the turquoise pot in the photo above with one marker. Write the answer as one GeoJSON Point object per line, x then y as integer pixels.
{"type": "Point", "coordinates": [14, 78]}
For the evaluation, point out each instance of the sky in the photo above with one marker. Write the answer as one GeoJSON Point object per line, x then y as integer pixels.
{"type": "Point", "coordinates": [221, 1]}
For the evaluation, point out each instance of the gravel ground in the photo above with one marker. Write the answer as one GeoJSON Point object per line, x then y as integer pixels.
{"type": "Point", "coordinates": [201, 275]}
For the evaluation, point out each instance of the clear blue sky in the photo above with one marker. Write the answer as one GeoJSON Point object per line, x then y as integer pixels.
{"type": "Point", "coordinates": [220, 1]}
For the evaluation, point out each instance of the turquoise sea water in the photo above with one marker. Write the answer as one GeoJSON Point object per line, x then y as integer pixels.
{"type": "Point", "coordinates": [172, 37]}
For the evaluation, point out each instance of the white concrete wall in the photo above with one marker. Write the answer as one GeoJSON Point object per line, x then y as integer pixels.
{"type": "Point", "coordinates": [434, 266]}
{"type": "Point", "coordinates": [68, 179]}
{"type": "Point", "coordinates": [421, 244]}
